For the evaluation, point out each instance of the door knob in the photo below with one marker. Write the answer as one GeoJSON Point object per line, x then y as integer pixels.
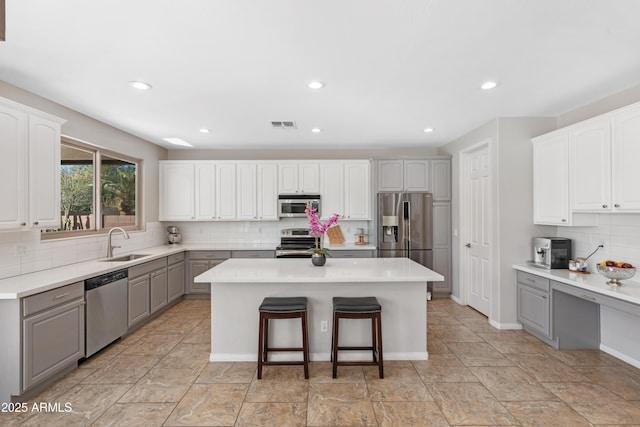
{"type": "Point", "coordinates": [468, 245]}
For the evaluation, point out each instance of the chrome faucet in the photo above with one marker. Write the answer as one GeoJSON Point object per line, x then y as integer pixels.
{"type": "Point", "coordinates": [111, 247]}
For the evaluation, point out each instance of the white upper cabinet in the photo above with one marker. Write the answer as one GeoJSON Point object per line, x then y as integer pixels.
{"type": "Point", "coordinates": [331, 188]}
{"type": "Point", "coordinates": [177, 191]}
{"type": "Point", "coordinates": [257, 191]}
{"type": "Point", "coordinates": [296, 177]}
{"type": "Point", "coordinates": [226, 190]}
{"type": "Point", "coordinates": [625, 189]}
{"type": "Point", "coordinates": [590, 166]}
{"type": "Point", "coordinates": [267, 191]}
{"type": "Point", "coordinates": [30, 148]}
{"type": "Point", "coordinates": [551, 179]}
{"type": "Point", "coordinates": [13, 128]}
{"type": "Point", "coordinates": [357, 194]}
{"type": "Point", "coordinates": [205, 191]}
{"type": "Point", "coordinates": [404, 175]}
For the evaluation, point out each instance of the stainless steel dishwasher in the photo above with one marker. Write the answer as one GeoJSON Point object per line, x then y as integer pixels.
{"type": "Point", "coordinates": [106, 310]}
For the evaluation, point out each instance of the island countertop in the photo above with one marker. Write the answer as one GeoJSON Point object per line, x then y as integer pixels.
{"type": "Point", "coordinates": [291, 270]}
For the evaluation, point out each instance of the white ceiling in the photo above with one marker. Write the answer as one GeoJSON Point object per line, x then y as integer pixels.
{"type": "Point", "coordinates": [391, 68]}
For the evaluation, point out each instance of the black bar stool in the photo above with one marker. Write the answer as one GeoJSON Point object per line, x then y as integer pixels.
{"type": "Point", "coordinates": [282, 308]}
{"type": "Point", "coordinates": [358, 308]}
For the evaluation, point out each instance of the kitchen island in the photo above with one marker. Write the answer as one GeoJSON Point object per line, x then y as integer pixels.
{"type": "Point", "coordinates": [238, 286]}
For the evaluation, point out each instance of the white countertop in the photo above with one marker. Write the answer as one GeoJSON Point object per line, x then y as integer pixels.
{"type": "Point", "coordinates": [594, 282]}
{"type": "Point", "coordinates": [291, 270]}
{"type": "Point", "coordinates": [40, 281]}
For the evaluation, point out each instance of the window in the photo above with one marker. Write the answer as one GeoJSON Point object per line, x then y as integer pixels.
{"type": "Point", "coordinates": [98, 189]}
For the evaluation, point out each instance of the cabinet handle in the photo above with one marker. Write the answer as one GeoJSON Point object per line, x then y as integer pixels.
{"type": "Point", "coordinates": [564, 220]}
{"type": "Point", "coordinates": [61, 296]}
{"type": "Point", "coordinates": [23, 224]}
{"type": "Point", "coordinates": [605, 206]}
{"type": "Point", "coordinates": [587, 297]}
{"type": "Point", "coordinates": [616, 205]}
{"type": "Point", "coordinates": [544, 297]}
{"type": "Point", "coordinates": [35, 223]}
{"type": "Point", "coordinates": [468, 245]}
{"type": "Point", "coordinates": [529, 280]}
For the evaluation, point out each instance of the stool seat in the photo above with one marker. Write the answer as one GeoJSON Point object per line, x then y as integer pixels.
{"type": "Point", "coordinates": [285, 304]}
{"type": "Point", "coordinates": [356, 304]}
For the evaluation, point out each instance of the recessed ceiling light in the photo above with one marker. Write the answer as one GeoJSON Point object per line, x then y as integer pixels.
{"type": "Point", "coordinates": [316, 130]}
{"type": "Point", "coordinates": [178, 141]}
{"type": "Point", "coordinates": [316, 85]}
{"type": "Point", "coordinates": [140, 85]}
{"type": "Point", "coordinates": [205, 130]}
{"type": "Point", "coordinates": [489, 85]}
{"type": "Point", "coordinates": [428, 130]}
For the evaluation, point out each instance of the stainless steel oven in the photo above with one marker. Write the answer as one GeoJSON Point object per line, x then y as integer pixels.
{"type": "Point", "coordinates": [294, 205]}
{"type": "Point", "coordinates": [295, 243]}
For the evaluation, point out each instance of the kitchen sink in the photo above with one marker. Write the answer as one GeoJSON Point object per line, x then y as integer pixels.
{"type": "Point", "coordinates": [123, 258]}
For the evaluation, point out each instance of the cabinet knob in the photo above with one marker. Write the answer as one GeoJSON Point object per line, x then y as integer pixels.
{"type": "Point", "coordinates": [605, 206]}
{"type": "Point", "coordinates": [616, 205]}
{"type": "Point", "coordinates": [468, 245]}
{"type": "Point", "coordinates": [564, 220]}
{"type": "Point", "coordinates": [35, 223]}
{"type": "Point", "coordinates": [23, 224]}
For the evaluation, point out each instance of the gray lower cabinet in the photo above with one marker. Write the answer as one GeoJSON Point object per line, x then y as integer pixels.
{"type": "Point", "coordinates": [253, 254]}
{"type": "Point", "coordinates": [147, 289]}
{"type": "Point", "coordinates": [53, 332]}
{"type": "Point", "coordinates": [356, 253]}
{"type": "Point", "coordinates": [138, 299]}
{"type": "Point", "coordinates": [534, 304]}
{"type": "Point", "coordinates": [199, 262]}
{"type": "Point", "coordinates": [158, 289]}
{"type": "Point", "coordinates": [175, 276]}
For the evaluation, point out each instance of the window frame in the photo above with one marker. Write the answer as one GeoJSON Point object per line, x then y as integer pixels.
{"type": "Point", "coordinates": [98, 153]}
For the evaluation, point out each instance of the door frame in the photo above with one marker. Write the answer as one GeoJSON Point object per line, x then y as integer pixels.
{"type": "Point", "coordinates": [465, 219]}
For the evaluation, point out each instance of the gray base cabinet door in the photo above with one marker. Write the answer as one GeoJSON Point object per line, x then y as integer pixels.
{"type": "Point", "coordinates": [175, 281]}
{"type": "Point", "coordinates": [52, 339]}
{"type": "Point", "coordinates": [158, 288]}
{"type": "Point", "coordinates": [198, 267]}
{"type": "Point", "coordinates": [139, 299]}
{"type": "Point", "coordinates": [534, 309]}
{"type": "Point", "coordinates": [356, 253]}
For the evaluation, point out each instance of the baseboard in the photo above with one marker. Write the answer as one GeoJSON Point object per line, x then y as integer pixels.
{"type": "Point", "coordinates": [505, 326]}
{"type": "Point", "coordinates": [317, 357]}
{"type": "Point", "coordinates": [621, 356]}
{"type": "Point", "coordinates": [455, 299]}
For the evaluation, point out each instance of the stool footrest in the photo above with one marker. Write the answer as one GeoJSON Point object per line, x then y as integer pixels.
{"type": "Point", "coordinates": [356, 348]}
{"type": "Point", "coordinates": [285, 349]}
{"type": "Point", "coordinates": [354, 363]}
{"type": "Point", "coordinates": [284, 363]}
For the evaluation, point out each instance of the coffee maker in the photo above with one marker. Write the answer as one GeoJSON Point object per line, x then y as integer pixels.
{"type": "Point", "coordinates": [174, 234]}
{"type": "Point", "coordinates": [551, 252]}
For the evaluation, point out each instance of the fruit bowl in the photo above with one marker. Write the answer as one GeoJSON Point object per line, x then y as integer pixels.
{"type": "Point", "coordinates": [615, 274]}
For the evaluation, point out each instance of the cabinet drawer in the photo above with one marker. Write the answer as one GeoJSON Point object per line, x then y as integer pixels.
{"type": "Point", "coordinates": [533, 281]}
{"type": "Point", "coordinates": [44, 300]}
{"type": "Point", "coordinates": [147, 267]}
{"type": "Point", "coordinates": [253, 254]}
{"type": "Point", "coordinates": [351, 253]}
{"type": "Point", "coordinates": [210, 255]}
{"type": "Point", "coordinates": [175, 258]}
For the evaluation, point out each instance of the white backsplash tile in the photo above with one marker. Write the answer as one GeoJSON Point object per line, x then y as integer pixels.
{"type": "Point", "coordinates": [619, 233]}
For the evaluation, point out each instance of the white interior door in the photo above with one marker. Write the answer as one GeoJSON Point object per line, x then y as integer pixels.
{"type": "Point", "coordinates": [477, 208]}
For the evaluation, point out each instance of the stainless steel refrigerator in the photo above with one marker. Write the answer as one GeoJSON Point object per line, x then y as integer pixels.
{"type": "Point", "coordinates": [405, 226]}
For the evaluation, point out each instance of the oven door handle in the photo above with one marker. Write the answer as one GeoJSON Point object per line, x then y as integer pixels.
{"type": "Point", "coordinates": [285, 253]}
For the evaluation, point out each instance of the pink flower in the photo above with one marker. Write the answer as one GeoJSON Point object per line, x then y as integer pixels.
{"type": "Point", "coordinates": [316, 227]}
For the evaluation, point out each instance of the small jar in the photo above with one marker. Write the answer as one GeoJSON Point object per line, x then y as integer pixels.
{"type": "Point", "coordinates": [572, 265]}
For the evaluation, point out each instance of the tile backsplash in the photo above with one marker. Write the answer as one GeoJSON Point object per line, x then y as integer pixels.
{"type": "Point", "coordinates": [22, 252]}
{"type": "Point", "coordinates": [619, 233]}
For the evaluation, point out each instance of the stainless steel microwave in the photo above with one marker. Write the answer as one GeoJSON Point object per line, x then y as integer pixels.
{"type": "Point", "coordinates": [294, 205]}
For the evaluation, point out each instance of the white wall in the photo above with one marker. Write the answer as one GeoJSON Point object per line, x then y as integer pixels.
{"type": "Point", "coordinates": [42, 255]}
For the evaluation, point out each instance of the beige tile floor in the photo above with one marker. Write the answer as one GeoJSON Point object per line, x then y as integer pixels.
{"type": "Point", "coordinates": [476, 375]}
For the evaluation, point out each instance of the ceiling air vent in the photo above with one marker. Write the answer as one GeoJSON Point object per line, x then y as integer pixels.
{"type": "Point", "coordinates": [283, 125]}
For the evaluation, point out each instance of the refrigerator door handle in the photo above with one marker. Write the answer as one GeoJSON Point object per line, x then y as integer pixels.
{"type": "Point", "coordinates": [407, 216]}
